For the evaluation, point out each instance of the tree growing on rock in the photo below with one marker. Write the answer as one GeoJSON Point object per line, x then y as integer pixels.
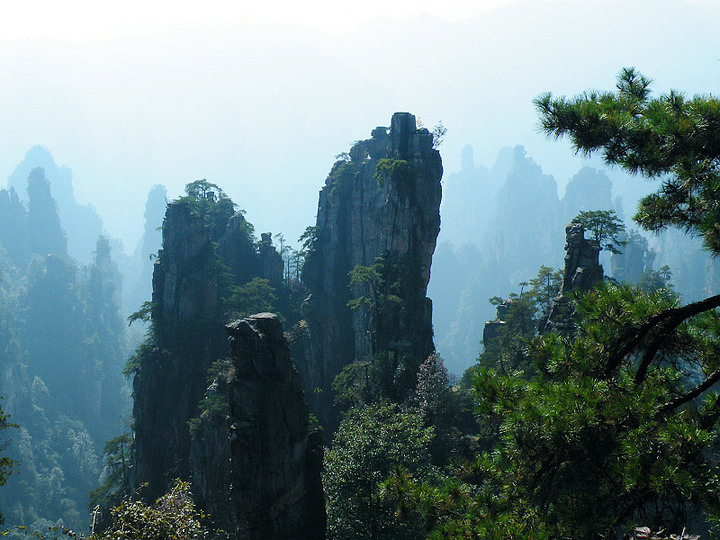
{"type": "Point", "coordinates": [618, 426]}
{"type": "Point", "coordinates": [605, 228]}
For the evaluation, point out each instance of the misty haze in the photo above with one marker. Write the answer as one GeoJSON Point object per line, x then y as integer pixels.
{"type": "Point", "coordinates": [382, 271]}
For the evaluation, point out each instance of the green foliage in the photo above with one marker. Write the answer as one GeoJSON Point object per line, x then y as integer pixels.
{"type": "Point", "coordinates": [432, 394]}
{"type": "Point", "coordinates": [656, 280]}
{"type": "Point", "coordinates": [395, 170]}
{"type": "Point", "coordinates": [370, 278]}
{"type": "Point", "coordinates": [60, 331]}
{"type": "Point", "coordinates": [341, 175]}
{"type": "Point", "coordinates": [387, 377]}
{"type": "Point", "coordinates": [350, 386]}
{"type": "Point", "coordinates": [144, 314]}
{"type": "Point", "coordinates": [116, 484]}
{"type": "Point", "coordinates": [255, 296]}
{"type": "Point", "coordinates": [438, 132]}
{"type": "Point", "coordinates": [616, 425]}
{"type": "Point", "coordinates": [671, 138]}
{"type": "Point", "coordinates": [145, 355]}
{"type": "Point", "coordinates": [209, 201]}
{"type": "Point", "coordinates": [380, 301]}
{"type": "Point", "coordinates": [544, 287]}
{"type": "Point", "coordinates": [309, 238]}
{"type": "Point", "coordinates": [372, 297]}
{"type": "Point", "coordinates": [172, 517]}
{"type": "Point", "coordinates": [445, 409]}
{"type": "Point", "coordinates": [371, 442]}
{"type": "Point", "coordinates": [7, 465]}
{"type": "Point", "coordinates": [605, 228]}
{"type": "Point", "coordinates": [518, 319]}
{"type": "Point", "coordinates": [613, 428]}
{"type": "Point", "coordinates": [214, 405]}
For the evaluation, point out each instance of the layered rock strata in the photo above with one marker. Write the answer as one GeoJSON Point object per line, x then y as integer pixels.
{"type": "Point", "coordinates": [276, 460]}
{"type": "Point", "coordinates": [379, 209]}
{"type": "Point", "coordinates": [200, 261]}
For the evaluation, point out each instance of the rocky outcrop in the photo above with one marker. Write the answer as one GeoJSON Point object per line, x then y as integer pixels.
{"type": "Point", "coordinates": [81, 222]}
{"type": "Point", "coordinates": [237, 249]}
{"type": "Point", "coordinates": [140, 267]}
{"type": "Point", "coordinates": [35, 230]}
{"type": "Point", "coordinates": [582, 260]}
{"type": "Point", "coordinates": [269, 486]}
{"type": "Point", "coordinates": [271, 262]}
{"type": "Point", "coordinates": [379, 209]}
{"type": "Point", "coordinates": [254, 460]}
{"type": "Point", "coordinates": [634, 260]}
{"type": "Point", "coordinates": [582, 272]}
{"type": "Point", "coordinates": [493, 329]}
{"type": "Point", "coordinates": [207, 249]}
{"type": "Point", "coordinates": [186, 338]}
{"type": "Point", "coordinates": [13, 225]}
{"type": "Point", "coordinates": [275, 459]}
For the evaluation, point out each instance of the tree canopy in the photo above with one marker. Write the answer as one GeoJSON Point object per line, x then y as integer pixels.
{"type": "Point", "coordinates": [614, 425]}
{"type": "Point", "coordinates": [6, 464]}
{"type": "Point", "coordinates": [669, 137]}
{"type": "Point", "coordinates": [605, 227]}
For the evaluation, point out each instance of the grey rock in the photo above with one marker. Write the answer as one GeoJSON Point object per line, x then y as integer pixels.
{"type": "Point", "coordinates": [582, 272]}
{"type": "Point", "coordinates": [275, 459]}
{"type": "Point", "coordinates": [364, 218]}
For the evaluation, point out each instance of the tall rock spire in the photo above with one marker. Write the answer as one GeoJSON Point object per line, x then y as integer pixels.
{"type": "Point", "coordinates": [378, 214]}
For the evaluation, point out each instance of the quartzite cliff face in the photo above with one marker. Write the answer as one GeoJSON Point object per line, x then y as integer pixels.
{"type": "Point", "coordinates": [187, 336]}
{"type": "Point", "coordinates": [379, 206]}
{"type": "Point", "coordinates": [582, 272]}
{"type": "Point", "coordinates": [207, 250]}
{"type": "Point", "coordinates": [275, 459]}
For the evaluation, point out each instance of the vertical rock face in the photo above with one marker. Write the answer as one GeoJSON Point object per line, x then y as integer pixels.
{"type": "Point", "coordinates": [379, 206]}
{"type": "Point", "coordinates": [492, 329]}
{"type": "Point", "coordinates": [206, 249]}
{"type": "Point", "coordinates": [244, 440]}
{"type": "Point", "coordinates": [13, 225]}
{"type": "Point", "coordinates": [140, 289]}
{"type": "Point", "coordinates": [634, 260]}
{"type": "Point", "coordinates": [271, 262]}
{"type": "Point", "coordinates": [582, 272]}
{"type": "Point", "coordinates": [81, 222]}
{"type": "Point", "coordinates": [520, 244]}
{"type": "Point", "coordinates": [582, 266]}
{"type": "Point", "coordinates": [187, 328]}
{"type": "Point", "coordinates": [276, 461]}
{"type": "Point", "coordinates": [45, 236]}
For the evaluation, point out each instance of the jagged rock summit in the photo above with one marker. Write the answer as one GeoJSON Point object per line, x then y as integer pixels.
{"type": "Point", "coordinates": [235, 425]}
{"type": "Point", "coordinates": [379, 210]}
{"type": "Point", "coordinates": [276, 460]}
{"type": "Point", "coordinates": [582, 272]}
{"type": "Point", "coordinates": [582, 266]}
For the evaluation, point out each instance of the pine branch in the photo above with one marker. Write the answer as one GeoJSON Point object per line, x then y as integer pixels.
{"type": "Point", "coordinates": [670, 319]}
{"type": "Point", "coordinates": [692, 394]}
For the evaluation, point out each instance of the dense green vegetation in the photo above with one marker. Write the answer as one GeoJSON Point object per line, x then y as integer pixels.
{"type": "Point", "coordinates": [606, 425]}
{"type": "Point", "coordinates": [6, 464]}
{"type": "Point", "coordinates": [613, 424]}
{"type": "Point", "coordinates": [173, 516]}
{"type": "Point", "coordinates": [63, 344]}
{"type": "Point", "coordinates": [604, 227]}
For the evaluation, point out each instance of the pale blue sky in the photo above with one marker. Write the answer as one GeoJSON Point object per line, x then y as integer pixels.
{"type": "Point", "coordinates": [260, 100]}
{"type": "Point", "coordinates": [77, 20]}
